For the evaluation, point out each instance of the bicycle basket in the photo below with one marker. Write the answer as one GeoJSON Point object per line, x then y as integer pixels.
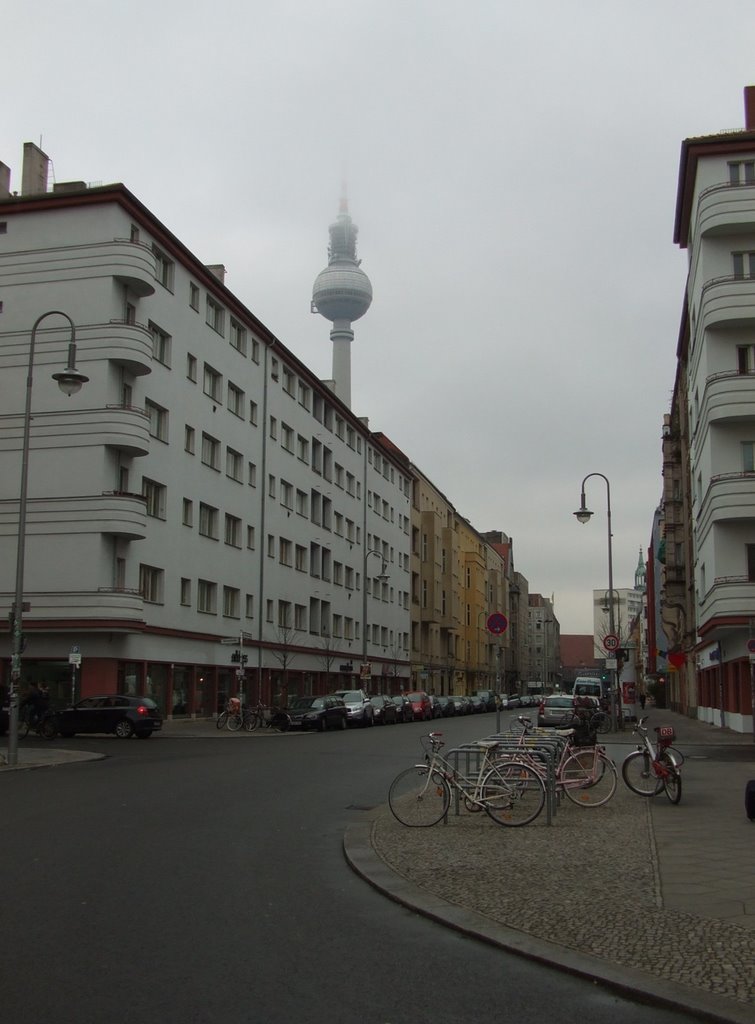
{"type": "Point", "coordinates": [666, 735]}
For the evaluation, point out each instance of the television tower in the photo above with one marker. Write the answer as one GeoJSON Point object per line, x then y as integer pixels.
{"type": "Point", "coordinates": [342, 293]}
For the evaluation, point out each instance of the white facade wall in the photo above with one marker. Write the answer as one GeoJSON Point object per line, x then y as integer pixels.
{"type": "Point", "coordinates": [309, 475]}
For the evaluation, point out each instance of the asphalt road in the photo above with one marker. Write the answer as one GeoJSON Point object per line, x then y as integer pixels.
{"type": "Point", "coordinates": [202, 881]}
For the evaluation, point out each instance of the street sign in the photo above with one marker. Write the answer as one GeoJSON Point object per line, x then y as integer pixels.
{"type": "Point", "coordinates": [74, 655]}
{"type": "Point", "coordinates": [611, 642]}
{"type": "Point", "coordinates": [751, 646]}
{"type": "Point", "coordinates": [497, 623]}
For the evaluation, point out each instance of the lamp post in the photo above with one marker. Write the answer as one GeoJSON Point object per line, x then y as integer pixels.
{"type": "Point", "coordinates": [584, 515]}
{"type": "Point", "coordinates": [69, 381]}
{"type": "Point", "coordinates": [382, 577]}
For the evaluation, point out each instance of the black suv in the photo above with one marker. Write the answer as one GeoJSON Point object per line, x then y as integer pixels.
{"type": "Point", "coordinates": [116, 713]}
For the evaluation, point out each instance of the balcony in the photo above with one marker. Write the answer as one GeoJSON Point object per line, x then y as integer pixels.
{"type": "Point", "coordinates": [728, 396]}
{"type": "Point", "coordinates": [727, 302]}
{"type": "Point", "coordinates": [730, 497]}
{"type": "Point", "coordinates": [120, 426]}
{"type": "Point", "coordinates": [112, 609]}
{"type": "Point", "coordinates": [729, 597]}
{"type": "Point", "coordinates": [726, 209]}
{"type": "Point", "coordinates": [116, 513]}
{"type": "Point", "coordinates": [126, 344]}
{"type": "Point", "coordinates": [131, 264]}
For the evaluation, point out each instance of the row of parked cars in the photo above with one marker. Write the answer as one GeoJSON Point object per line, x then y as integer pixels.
{"type": "Point", "coordinates": [361, 709]}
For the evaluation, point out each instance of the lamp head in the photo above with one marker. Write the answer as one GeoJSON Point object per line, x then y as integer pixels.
{"type": "Point", "coordinates": [70, 380]}
{"type": "Point", "coordinates": [583, 515]}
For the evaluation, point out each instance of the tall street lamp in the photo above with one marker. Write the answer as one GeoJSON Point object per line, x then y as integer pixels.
{"type": "Point", "coordinates": [382, 578]}
{"type": "Point", "coordinates": [583, 515]}
{"type": "Point", "coordinates": [69, 381]}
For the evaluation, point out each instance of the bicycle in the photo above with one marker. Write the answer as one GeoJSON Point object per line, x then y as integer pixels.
{"type": "Point", "coordinates": [511, 792]}
{"type": "Point", "coordinates": [648, 769]}
{"type": "Point", "coordinates": [584, 773]}
{"type": "Point", "coordinates": [30, 721]}
{"type": "Point", "coordinates": [231, 716]}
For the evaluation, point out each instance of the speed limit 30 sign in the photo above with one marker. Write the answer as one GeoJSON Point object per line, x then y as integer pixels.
{"type": "Point", "coordinates": [611, 642]}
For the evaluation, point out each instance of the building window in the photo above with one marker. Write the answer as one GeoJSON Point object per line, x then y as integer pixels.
{"type": "Point", "coordinates": [207, 597]}
{"type": "Point", "coordinates": [249, 612]}
{"type": "Point", "coordinates": [160, 344]}
{"type": "Point", "coordinates": [163, 268]}
{"type": "Point", "coordinates": [271, 486]}
{"type": "Point", "coordinates": [302, 503]}
{"type": "Point", "coordinates": [748, 456]}
{"type": "Point", "coordinates": [236, 400]}
{"type": "Point", "coordinates": [745, 360]}
{"type": "Point", "coordinates": [151, 584]}
{"type": "Point", "coordinates": [158, 420]}
{"type": "Point", "coordinates": [232, 531]}
{"type": "Point", "coordinates": [231, 600]}
{"type": "Point", "coordinates": [284, 551]}
{"type": "Point", "coordinates": [304, 395]}
{"type": "Point", "coordinates": [155, 498]}
{"type": "Point", "coordinates": [255, 351]}
{"type": "Point", "coordinates": [250, 540]}
{"type": "Point", "coordinates": [213, 383]}
{"type": "Point", "coordinates": [301, 558]}
{"type": "Point", "coordinates": [287, 495]}
{"type": "Point", "coordinates": [750, 550]}
{"type": "Point", "coordinates": [238, 336]}
{"type": "Point", "coordinates": [744, 264]}
{"type": "Point", "coordinates": [194, 296]}
{"type": "Point", "coordinates": [215, 315]}
{"type": "Point", "coordinates": [191, 367]}
{"type": "Point", "coordinates": [274, 368]}
{"type": "Point", "coordinates": [270, 546]}
{"type": "Point", "coordinates": [234, 465]}
{"type": "Point", "coordinates": [273, 428]}
{"type": "Point", "coordinates": [253, 413]}
{"type": "Point", "coordinates": [300, 617]}
{"type": "Point", "coordinates": [188, 512]}
{"type": "Point", "coordinates": [302, 448]}
{"type": "Point", "coordinates": [269, 610]}
{"type": "Point", "coordinates": [185, 591]}
{"type": "Point", "coordinates": [289, 382]}
{"type": "Point", "coordinates": [251, 474]}
{"type": "Point", "coordinates": [284, 614]}
{"type": "Point", "coordinates": [210, 451]}
{"type": "Point", "coordinates": [189, 439]}
{"type": "Point", "coordinates": [287, 438]}
{"type": "Point", "coordinates": [208, 521]}
{"type": "Point", "coordinates": [742, 172]}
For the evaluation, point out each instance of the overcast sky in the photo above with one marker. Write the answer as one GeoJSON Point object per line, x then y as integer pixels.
{"type": "Point", "coordinates": [512, 168]}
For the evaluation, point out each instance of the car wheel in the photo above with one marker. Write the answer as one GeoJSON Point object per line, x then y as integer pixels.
{"type": "Point", "coordinates": [343, 721]}
{"type": "Point", "coordinates": [124, 729]}
{"type": "Point", "coordinates": [322, 725]}
{"type": "Point", "coordinates": [48, 729]}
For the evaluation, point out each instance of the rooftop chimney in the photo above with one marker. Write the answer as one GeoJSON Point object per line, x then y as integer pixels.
{"type": "Point", "coordinates": [750, 108]}
{"type": "Point", "coordinates": [35, 170]}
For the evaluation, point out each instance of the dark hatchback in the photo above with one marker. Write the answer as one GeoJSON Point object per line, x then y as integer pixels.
{"type": "Point", "coordinates": [385, 711]}
{"type": "Point", "coordinates": [120, 714]}
{"type": "Point", "coordinates": [318, 713]}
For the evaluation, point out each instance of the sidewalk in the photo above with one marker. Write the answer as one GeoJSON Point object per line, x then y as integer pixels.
{"type": "Point", "coordinates": [654, 900]}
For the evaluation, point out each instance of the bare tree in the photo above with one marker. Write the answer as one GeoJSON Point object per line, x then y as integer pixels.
{"type": "Point", "coordinates": [284, 654]}
{"type": "Point", "coordinates": [327, 657]}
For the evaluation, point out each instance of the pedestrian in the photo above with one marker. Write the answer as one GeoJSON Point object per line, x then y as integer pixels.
{"type": "Point", "coordinates": [643, 698]}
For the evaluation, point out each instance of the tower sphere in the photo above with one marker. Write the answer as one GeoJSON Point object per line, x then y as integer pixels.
{"type": "Point", "coordinates": [342, 291]}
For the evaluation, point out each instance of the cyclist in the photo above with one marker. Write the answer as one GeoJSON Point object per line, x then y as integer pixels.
{"type": "Point", "coordinates": [36, 701]}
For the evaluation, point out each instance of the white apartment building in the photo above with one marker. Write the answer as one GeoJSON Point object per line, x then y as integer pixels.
{"type": "Point", "coordinates": [203, 487]}
{"type": "Point", "coordinates": [715, 223]}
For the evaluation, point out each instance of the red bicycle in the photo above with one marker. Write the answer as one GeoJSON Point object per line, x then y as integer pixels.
{"type": "Point", "coordinates": [650, 769]}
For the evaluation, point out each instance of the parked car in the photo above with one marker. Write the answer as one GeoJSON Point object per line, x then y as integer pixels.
{"type": "Point", "coordinates": [558, 711]}
{"type": "Point", "coordinates": [358, 706]}
{"type": "Point", "coordinates": [121, 714]}
{"type": "Point", "coordinates": [513, 701]}
{"type": "Point", "coordinates": [461, 704]}
{"type": "Point", "coordinates": [404, 709]}
{"type": "Point", "coordinates": [328, 712]}
{"type": "Point", "coordinates": [421, 705]}
{"type": "Point", "coordinates": [437, 706]}
{"type": "Point", "coordinates": [488, 699]}
{"type": "Point", "coordinates": [447, 705]}
{"type": "Point", "coordinates": [384, 710]}
{"type": "Point", "coordinates": [478, 704]}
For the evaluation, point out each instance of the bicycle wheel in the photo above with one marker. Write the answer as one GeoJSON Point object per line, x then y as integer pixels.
{"type": "Point", "coordinates": [512, 793]}
{"type": "Point", "coordinates": [222, 720]}
{"type": "Point", "coordinates": [251, 721]}
{"type": "Point", "coordinates": [589, 779]}
{"type": "Point", "coordinates": [637, 772]}
{"type": "Point", "coordinates": [601, 723]}
{"type": "Point", "coordinates": [234, 722]}
{"type": "Point", "coordinates": [418, 798]}
{"type": "Point", "coordinates": [672, 783]}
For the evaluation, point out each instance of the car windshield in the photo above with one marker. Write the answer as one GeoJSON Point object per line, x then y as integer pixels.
{"type": "Point", "coordinates": [352, 695]}
{"type": "Point", "coordinates": [559, 702]}
{"type": "Point", "coordinates": [302, 703]}
{"type": "Point", "coordinates": [415, 696]}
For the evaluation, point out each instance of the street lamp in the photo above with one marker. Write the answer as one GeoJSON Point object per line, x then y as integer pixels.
{"type": "Point", "coordinates": [382, 578]}
{"type": "Point", "coordinates": [69, 381]}
{"type": "Point", "coordinates": [583, 515]}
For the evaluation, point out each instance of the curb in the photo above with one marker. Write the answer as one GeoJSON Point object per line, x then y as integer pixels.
{"type": "Point", "coordinates": [627, 982]}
